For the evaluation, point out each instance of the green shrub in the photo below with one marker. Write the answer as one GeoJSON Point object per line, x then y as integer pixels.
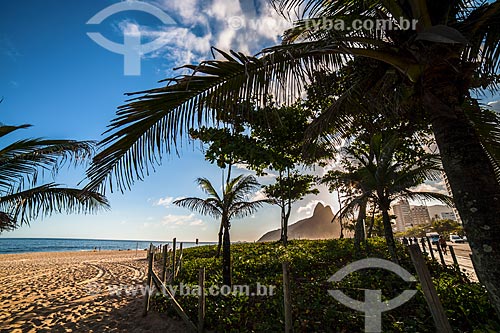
{"type": "Point", "coordinates": [314, 310]}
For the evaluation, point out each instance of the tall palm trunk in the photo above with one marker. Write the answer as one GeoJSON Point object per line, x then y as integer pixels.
{"type": "Point", "coordinates": [386, 221]}
{"type": "Point", "coordinates": [475, 189]}
{"type": "Point", "coordinates": [221, 228]}
{"type": "Point", "coordinates": [359, 231]}
{"type": "Point", "coordinates": [219, 245]}
{"type": "Point", "coordinates": [341, 224]}
{"type": "Point", "coordinates": [372, 223]}
{"type": "Point", "coordinates": [226, 256]}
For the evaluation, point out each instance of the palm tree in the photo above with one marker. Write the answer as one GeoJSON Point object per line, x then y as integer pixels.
{"type": "Point", "coordinates": [382, 171]}
{"type": "Point", "coordinates": [23, 163]}
{"type": "Point", "coordinates": [355, 195]}
{"type": "Point", "coordinates": [455, 48]}
{"type": "Point", "coordinates": [232, 204]}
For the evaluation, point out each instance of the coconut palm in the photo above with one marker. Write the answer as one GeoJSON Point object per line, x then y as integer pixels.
{"type": "Point", "coordinates": [232, 204]}
{"type": "Point", "coordinates": [22, 163]}
{"type": "Point", "coordinates": [454, 48]}
{"type": "Point", "coordinates": [382, 172]}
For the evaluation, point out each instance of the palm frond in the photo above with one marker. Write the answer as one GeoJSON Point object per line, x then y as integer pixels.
{"type": "Point", "coordinates": [245, 208]}
{"type": "Point", "coordinates": [350, 205]}
{"type": "Point", "coordinates": [6, 129]}
{"type": "Point", "coordinates": [208, 188]}
{"type": "Point", "coordinates": [487, 125]}
{"type": "Point", "coordinates": [482, 29]}
{"type": "Point", "coordinates": [155, 122]}
{"type": "Point", "coordinates": [240, 187]}
{"type": "Point", "coordinates": [210, 206]}
{"type": "Point", "coordinates": [447, 200]}
{"type": "Point", "coordinates": [22, 207]}
{"type": "Point", "coordinates": [23, 160]}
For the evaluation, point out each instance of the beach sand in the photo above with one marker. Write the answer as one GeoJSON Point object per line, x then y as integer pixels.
{"type": "Point", "coordinates": [70, 292]}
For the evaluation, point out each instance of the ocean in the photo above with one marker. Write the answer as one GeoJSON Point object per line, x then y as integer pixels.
{"type": "Point", "coordinates": [22, 245]}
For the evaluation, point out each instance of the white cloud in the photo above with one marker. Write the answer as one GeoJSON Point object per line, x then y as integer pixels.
{"type": "Point", "coordinates": [438, 187]}
{"type": "Point", "coordinates": [166, 202]}
{"type": "Point", "coordinates": [190, 220]}
{"type": "Point", "coordinates": [259, 195]}
{"type": "Point", "coordinates": [196, 222]}
{"type": "Point", "coordinates": [220, 23]}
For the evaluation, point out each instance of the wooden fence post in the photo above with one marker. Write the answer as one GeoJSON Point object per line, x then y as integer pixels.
{"type": "Point", "coordinates": [164, 263]}
{"type": "Point", "coordinates": [148, 283]}
{"type": "Point", "coordinates": [437, 310]}
{"type": "Point", "coordinates": [179, 266]}
{"type": "Point", "coordinates": [287, 298]}
{"type": "Point", "coordinates": [453, 256]}
{"type": "Point", "coordinates": [422, 241]}
{"type": "Point", "coordinates": [441, 255]}
{"type": "Point", "coordinates": [430, 248]}
{"type": "Point", "coordinates": [174, 261]}
{"type": "Point", "coordinates": [201, 300]}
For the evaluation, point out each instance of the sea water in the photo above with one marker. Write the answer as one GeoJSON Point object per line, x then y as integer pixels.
{"type": "Point", "coordinates": [21, 245]}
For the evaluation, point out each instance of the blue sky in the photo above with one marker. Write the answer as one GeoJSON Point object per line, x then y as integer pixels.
{"type": "Point", "coordinates": [58, 79]}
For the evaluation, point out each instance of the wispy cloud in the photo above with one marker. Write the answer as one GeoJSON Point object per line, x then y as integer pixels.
{"type": "Point", "coordinates": [8, 49]}
{"type": "Point", "coordinates": [259, 195]}
{"type": "Point", "coordinates": [166, 202]}
{"type": "Point", "coordinates": [190, 220]}
{"type": "Point", "coordinates": [242, 25]}
{"type": "Point", "coordinates": [436, 187]}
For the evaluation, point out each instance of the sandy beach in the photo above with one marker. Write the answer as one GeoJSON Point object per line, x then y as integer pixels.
{"type": "Point", "coordinates": [70, 292]}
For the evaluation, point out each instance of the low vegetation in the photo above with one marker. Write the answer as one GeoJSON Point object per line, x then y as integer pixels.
{"type": "Point", "coordinates": [314, 310]}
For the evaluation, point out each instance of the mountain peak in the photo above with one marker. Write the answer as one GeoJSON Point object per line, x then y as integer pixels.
{"type": "Point", "coordinates": [319, 207]}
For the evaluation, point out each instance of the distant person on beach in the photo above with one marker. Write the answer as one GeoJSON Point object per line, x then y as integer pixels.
{"type": "Point", "coordinates": [442, 243]}
{"type": "Point", "coordinates": [405, 241]}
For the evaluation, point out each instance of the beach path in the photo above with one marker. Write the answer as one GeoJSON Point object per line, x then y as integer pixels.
{"type": "Point", "coordinates": [77, 292]}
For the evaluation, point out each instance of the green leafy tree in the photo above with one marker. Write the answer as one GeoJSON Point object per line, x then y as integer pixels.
{"type": "Point", "coordinates": [233, 203]}
{"type": "Point", "coordinates": [23, 195]}
{"type": "Point", "coordinates": [416, 231]}
{"type": "Point", "coordinates": [288, 190]}
{"type": "Point", "coordinates": [446, 227]}
{"type": "Point", "coordinates": [268, 139]}
{"type": "Point", "coordinates": [453, 49]}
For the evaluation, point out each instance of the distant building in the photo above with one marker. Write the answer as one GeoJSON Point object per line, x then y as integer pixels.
{"type": "Point", "coordinates": [441, 212]}
{"type": "Point", "coordinates": [410, 216]}
{"type": "Point", "coordinates": [420, 215]}
{"type": "Point", "coordinates": [403, 215]}
{"type": "Point", "coordinates": [448, 216]}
